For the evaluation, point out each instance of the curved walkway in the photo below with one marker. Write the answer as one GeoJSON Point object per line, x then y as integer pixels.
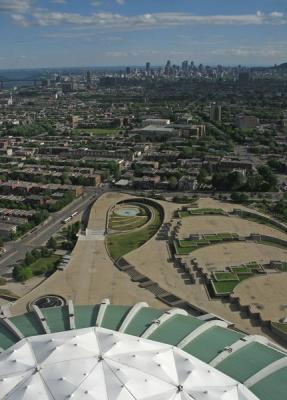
{"type": "Point", "coordinates": [91, 274]}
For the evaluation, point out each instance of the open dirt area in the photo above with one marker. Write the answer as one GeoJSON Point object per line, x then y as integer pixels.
{"type": "Point", "coordinates": [265, 294]}
{"type": "Point", "coordinates": [220, 256]}
{"type": "Point", "coordinates": [208, 202]}
{"type": "Point", "coordinates": [152, 259]}
{"type": "Point", "coordinates": [219, 224]}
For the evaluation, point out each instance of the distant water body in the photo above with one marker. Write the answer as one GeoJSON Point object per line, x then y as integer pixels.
{"type": "Point", "coordinates": [27, 77]}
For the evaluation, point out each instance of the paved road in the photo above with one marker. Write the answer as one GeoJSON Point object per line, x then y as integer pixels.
{"type": "Point", "coordinates": [16, 250]}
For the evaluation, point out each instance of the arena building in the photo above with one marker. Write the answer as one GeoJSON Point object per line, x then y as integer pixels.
{"type": "Point", "coordinates": [108, 352]}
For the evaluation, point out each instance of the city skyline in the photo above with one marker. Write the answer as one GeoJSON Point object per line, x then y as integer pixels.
{"type": "Point", "coordinates": [64, 33]}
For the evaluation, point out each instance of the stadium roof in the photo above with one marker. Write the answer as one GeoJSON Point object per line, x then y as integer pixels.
{"type": "Point", "coordinates": [100, 364]}
{"type": "Point", "coordinates": [250, 360]}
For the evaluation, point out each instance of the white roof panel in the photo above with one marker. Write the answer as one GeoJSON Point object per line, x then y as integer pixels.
{"type": "Point", "coordinates": [99, 364]}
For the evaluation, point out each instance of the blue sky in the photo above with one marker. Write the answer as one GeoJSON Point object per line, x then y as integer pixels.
{"type": "Point", "coordinates": [55, 33]}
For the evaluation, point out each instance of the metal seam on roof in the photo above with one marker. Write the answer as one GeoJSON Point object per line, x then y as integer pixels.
{"type": "Point", "coordinates": [131, 314]}
{"type": "Point", "coordinates": [199, 331]}
{"type": "Point", "coordinates": [265, 372]}
{"type": "Point", "coordinates": [102, 311]}
{"type": "Point", "coordinates": [238, 345]}
{"type": "Point", "coordinates": [161, 320]}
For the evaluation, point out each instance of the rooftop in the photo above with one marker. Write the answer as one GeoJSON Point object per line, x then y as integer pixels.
{"type": "Point", "coordinates": [59, 336]}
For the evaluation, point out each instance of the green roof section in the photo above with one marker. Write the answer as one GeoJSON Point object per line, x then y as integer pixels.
{"type": "Point", "coordinates": [249, 360]}
{"type": "Point", "coordinates": [28, 324]}
{"type": "Point", "coordinates": [7, 338]}
{"type": "Point", "coordinates": [210, 343]}
{"type": "Point", "coordinates": [86, 316]}
{"type": "Point", "coordinates": [114, 317]}
{"type": "Point", "coordinates": [57, 318]}
{"type": "Point", "coordinates": [170, 333]}
{"type": "Point", "coordinates": [274, 387]}
{"type": "Point", "coordinates": [142, 320]}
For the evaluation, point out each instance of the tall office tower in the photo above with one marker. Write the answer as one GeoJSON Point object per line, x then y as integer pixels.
{"type": "Point", "coordinates": [201, 68]}
{"type": "Point", "coordinates": [167, 69]}
{"type": "Point", "coordinates": [89, 79]}
{"type": "Point", "coordinates": [128, 70]}
{"type": "Point", "coordinates": [215, 112]}
{"type": "Point", "coordinates": [184, 66]}
{"type": "Point", "coordinates": [147, 67]}
{"type": "Point", "coordinates": [219, 68]}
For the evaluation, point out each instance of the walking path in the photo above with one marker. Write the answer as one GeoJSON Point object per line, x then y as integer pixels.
{"type": "Point", "coordinates": [91, 275]}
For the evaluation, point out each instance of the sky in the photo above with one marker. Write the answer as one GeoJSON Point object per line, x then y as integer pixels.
{"type": "Point", "coordinates": [66, 33]}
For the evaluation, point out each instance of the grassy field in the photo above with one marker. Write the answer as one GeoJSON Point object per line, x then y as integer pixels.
{"type": "Point", "coordinates": [225, 276]}
{"type": "Point", "coordinates": [183, 214]}
{"type": "Point", "coordinates": [227, 285]}
{"type": "Point", "coordinates": [201, 212]}
{"type": "Point", "coordinates": [44, 265]}
{"type": "Point", "coordinates": [99, 131]}
{"type": "Point", "coordinates": [224, 287]}
{"type": "Point", "coordinates": [263, 221]}
{"type": "Point", "coordinates": [121, 244]}
{"type": "Point", "coordinates": [280, 327]}
{"type": "Point", "coordinates": [128, 224]}
{"type": "Point", "coordinates": [241, 269]}
{"type": "Point", "coordinates": [186, 246]}
{"type": "Point", "coordinates": [207, 211]}
{"type": "Point", "coordinates": [269, 243]}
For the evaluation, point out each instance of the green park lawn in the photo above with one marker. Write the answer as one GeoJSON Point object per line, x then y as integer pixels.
{"type": "Point", "coordinates": [137, 222]}
{"type": "Point", "coordinates": [99, 131]}
{"type": "Point", "coordinates": [44, 265]}
{"type": "Point", "coordinates": [223, 287]}
{"type": "Point", "coordinates": [225, 276]}
{"type": "Point", "coordinates": [240, 269]}
{"type": "Point", "coordinates": [121, 244]}
{"type": "Point", "coordinates": [227, 286]}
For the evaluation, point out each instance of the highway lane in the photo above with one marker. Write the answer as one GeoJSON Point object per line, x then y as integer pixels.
{"type": "Point", "coordinates": [39, 236]}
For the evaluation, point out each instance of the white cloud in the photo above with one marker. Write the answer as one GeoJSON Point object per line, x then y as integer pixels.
{"type": "Point", "coordinates": [120, 2]}
{"type": "Point", "coordinates": [20, 20]}
{"type": "Point", "coordinates": [276, 14]}
{"type": "Point", "coordinates": [276, 50]}
{"type": "Point", "coordinates": [17, 6]}
{"type": "Point", "coordinates": [59, 1]}
{"type": "Point", "coordinates": [96, 3]}
{"type": "Point", "coordinates": [112, 21]}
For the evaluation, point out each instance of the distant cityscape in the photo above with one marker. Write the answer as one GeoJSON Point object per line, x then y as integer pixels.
{"type": "Point", "coordinates": [187, 70]}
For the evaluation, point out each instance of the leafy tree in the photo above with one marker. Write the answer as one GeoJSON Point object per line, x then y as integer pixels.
{"type": "Point", "coordinates": [21, 274]}
{"type": "Point", "coordinates": [239, 197]}
{"type": "Point", "coordinates": [173, 182]}
{"type": "Point", "coordinates": [52, 243]}
{"type": "Point", "coordinates": [29, 258]}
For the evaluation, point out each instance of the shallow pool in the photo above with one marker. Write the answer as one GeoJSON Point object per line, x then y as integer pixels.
{"type": "Point", "coordinates": [127, 212]}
